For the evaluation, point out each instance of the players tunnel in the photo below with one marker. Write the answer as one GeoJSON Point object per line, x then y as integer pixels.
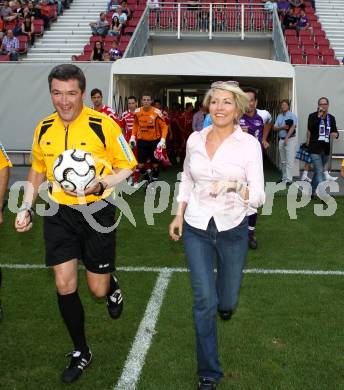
{"type": "Point", "coordinates": [184, 77]}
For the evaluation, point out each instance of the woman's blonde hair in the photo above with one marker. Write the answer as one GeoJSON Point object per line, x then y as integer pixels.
{"type": "Point", "coordinates": [240, 97]}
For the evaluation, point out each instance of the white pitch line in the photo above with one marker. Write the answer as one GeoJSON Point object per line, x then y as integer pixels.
{"type": "Point", "coordinates": [171, 269]}
{"type": "Point", "coordinates": [143, 339]}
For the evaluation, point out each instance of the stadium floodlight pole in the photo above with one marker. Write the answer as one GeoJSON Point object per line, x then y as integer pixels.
{"type": "Point", "coordinates": [242, 22]}
{"type": "Point", "coordinates": [178, 18]}
{"type": "Point", "coordinates": [210, 21]}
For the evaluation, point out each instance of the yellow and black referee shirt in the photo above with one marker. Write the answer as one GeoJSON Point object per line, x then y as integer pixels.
{"type": "Point", "coordinates": [4, 159]}
{"type": "Point", "coordinates": [92, 132]}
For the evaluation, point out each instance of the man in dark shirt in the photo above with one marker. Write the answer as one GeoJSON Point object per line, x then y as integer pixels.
{"type": "Point", "coordinates": [321, 128]}
{"type": "Point", "coordinates": [290, 20]}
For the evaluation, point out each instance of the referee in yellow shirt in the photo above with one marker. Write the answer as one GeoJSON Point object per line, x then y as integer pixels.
{"type": "Point", "coordinates": [67, 234]}
{"type": "Point", "coordinates": [5, 165]}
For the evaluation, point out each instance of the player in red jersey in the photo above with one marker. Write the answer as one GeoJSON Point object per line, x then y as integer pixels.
{"type": "Point", "coordinates": [185, 121]}
{"type": "Point", "coordinates": [97, 100]}
{"type": "Point", "coordinates": [128, 119]}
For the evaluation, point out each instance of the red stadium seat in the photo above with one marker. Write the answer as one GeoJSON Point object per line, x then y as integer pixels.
{"type": "Point", "coordinates": [110, 38]}
{"type": "Point", "coordinates": [82, 57]}
{"type": "Point", "coordinates": [297, 59]}
{"type": "Point", "coordinates": [38, 25]}
{"type": "Point", "coordinates": [23, 43]}
{"type": "Point", "coordinates": [305, 34]}
{"type": "Point", "coordinates": [95, 38]}
{"type": "Point", "coordinates": [307, 42]}
{"type": "Point", "coordinates": [316, 25]}
{"type": "Point", "coordinates": [290, 33]}
{"type": "Point", "coordinates": [311, 51]}
{"type": "Point", "coordinates": [294, 50]}
{"type": "Point", "coordinates": [323, 42]}
{"type": "Point", "coordinates": [4, 57]}
{"type": "Point", "coordinates": [314, 60]}
{"type": "Point", "coordinates": [88, 50]}
{"type": "Point", "coordinates": [329, 60]}
{"type": "Point", "coordinates": [319, 34]}
{"type": "Point", "coordinates": [326, 51]}
{"type": "Point", "coordinates": [292, 41]}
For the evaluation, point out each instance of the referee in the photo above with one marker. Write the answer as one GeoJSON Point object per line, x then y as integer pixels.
{"type": "Point", "coordinates": [67, 235]}
{"type": "Point", "coordinates": [5, 165]}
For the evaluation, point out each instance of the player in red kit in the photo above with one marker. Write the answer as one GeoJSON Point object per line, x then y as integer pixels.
{"type": "Point", "coordinates": [97, 100]}
{"type": "Point", "coordinates": [185, 121]}
{"type": "Point", "coordinates": [128, 120]}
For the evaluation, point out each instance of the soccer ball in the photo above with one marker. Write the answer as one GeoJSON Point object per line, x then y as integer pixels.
{"type": "Point", "coordinates": [74, 169]}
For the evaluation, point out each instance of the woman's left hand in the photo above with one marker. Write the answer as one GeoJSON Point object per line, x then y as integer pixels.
{"type": "Point", "coordinates": [176, 224]}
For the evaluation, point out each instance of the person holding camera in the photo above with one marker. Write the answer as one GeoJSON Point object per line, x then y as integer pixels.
{"type": "Point", "coordinates": [285, 124]}
{"type": "Point", "coordinates": [321, 128]}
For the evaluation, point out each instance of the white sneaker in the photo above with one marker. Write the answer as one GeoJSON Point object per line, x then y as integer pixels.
{"type": "Point", "coordinates": [328, 177]}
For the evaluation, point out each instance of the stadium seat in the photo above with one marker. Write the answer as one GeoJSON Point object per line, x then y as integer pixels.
{"type": "Point", "coordinates": [297, 59]}
{"type": "Point", "coordinates": [88, 50]}
{"type": "Point", "coordinates": [294, 50]}
{"type": "Point", "coordinates": [95, 38]}
{"type": "Point", "coordinates": [305, 34]}
{"type": "Point", "coordinates": [326, 51]}
{"type": "Point", "coordinates": [292, 41]}
{"type": "Point", "coordinates": [307, 42]}
{"type": "Point", "coordinates": [311, 51]}
{"type": "Point", "coordinates": [23, 43]}
{"type": "Point", "coordinates": [316, 25]}
{"type": "Point", "coordinates": [323, 42]}
{"type": "Point", "coordinates": [290, 33]}
{"type": "Point", "coordinates": [314, 60]}
{"type": "Point", "coordinates": [319, 34]}
{"type": "Point", "coordinates": [82, 57]}
{"type": "Point", "coordinates": [38, 25]}
{"type": "Point", "coordinates": [330, 60]}
{"type": "Point", "coordinates": [4, 57]}
{"type": "Point", "coordinates": [110, 38]}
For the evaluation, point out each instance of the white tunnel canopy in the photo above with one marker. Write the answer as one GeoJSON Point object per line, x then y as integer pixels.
{"type": "Point", "coordinates": [203, 63]}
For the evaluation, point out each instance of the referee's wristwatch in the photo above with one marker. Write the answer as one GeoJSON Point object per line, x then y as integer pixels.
{"type": "Point", "coordinates": [27, 207]}
{"type": "Point", "coordinates": [102, 187]}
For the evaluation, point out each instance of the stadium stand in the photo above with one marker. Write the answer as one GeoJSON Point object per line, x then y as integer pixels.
{"type": "Point", "coordinates": [308, 42]}
{"type": "Point", "coordinates": [331, 15]}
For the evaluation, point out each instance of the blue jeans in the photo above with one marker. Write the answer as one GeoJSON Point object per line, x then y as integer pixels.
{"type": "Point", "coordinates": [210, 294]}
{"type": "Point", "coordinates": [319, 161]}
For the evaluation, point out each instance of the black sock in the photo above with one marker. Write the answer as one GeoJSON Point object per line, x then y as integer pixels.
{"type": "Point", "coordinates": [73, 315]}
{"type": "Point", "coordinates": [112, 287]}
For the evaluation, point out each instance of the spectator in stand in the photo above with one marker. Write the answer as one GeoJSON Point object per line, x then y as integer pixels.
{"type": "Point", "coordinates": [116, 27]}
{"type": "Point", "coordinates": [321, 128]}
{"type": "Point", "coordinates": [36, 13]}
{"type": "Point", "coordinates": [114, 52]}
{"type": "Point", "coordinates": [122, 17]}
{"type": "Point", "coordinates": [106, 57]}
{"type": "Point", "coordinates": [297, 4]}
{"type": "Point", "coordinates": [10, 46]}
{"type": "Point", "coordinates": [28, 29]}
{"type": "Point", "coordinates": [283, 7]}
{"type": "Point", "coordinates": [125, 9]}
{"type": "Point", "coordinates": [7, 13]}
{"type": "Point", "coordinates": [101, 27]}
{"type": "Point", "coordinates": [289, 21]}
{"type": "Point", "coordinates": [97, 52]}
{"type": "Point", "coordinates": [303, 22]}
{"type": "Point", "coordinates": [112, 5]}
{"type": "Point", "coordinates": [198, 118]}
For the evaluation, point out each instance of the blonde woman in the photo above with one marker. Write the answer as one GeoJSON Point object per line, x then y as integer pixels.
{"type": "Point", "coordinates": [221, 184]}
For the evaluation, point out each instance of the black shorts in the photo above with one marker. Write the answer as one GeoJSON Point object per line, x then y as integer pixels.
{"type": "Point", "coordinates": [145, 151]}
{"type": "Point", "coordinates": [68, 235]}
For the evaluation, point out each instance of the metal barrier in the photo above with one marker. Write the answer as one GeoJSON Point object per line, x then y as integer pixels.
{"type": "Point", "coordinates": [335, 156]}
{"type": "Point", "coordinates": [280, 46]}
{"type": "Point", "coordinates": [138, 41]}
{"type": "Point", "coordinates": [211, 18]}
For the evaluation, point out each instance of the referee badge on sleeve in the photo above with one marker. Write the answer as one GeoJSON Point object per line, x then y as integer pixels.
{"type": "Point", "coordinates": [124, 146]}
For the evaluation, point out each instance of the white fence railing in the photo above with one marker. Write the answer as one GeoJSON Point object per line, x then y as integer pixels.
{"type": "Point", "coordinates": [211, 18]}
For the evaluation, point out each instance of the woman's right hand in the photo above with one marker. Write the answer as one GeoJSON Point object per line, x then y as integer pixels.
{"type": "Point", "coordinates": [176, 224]}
